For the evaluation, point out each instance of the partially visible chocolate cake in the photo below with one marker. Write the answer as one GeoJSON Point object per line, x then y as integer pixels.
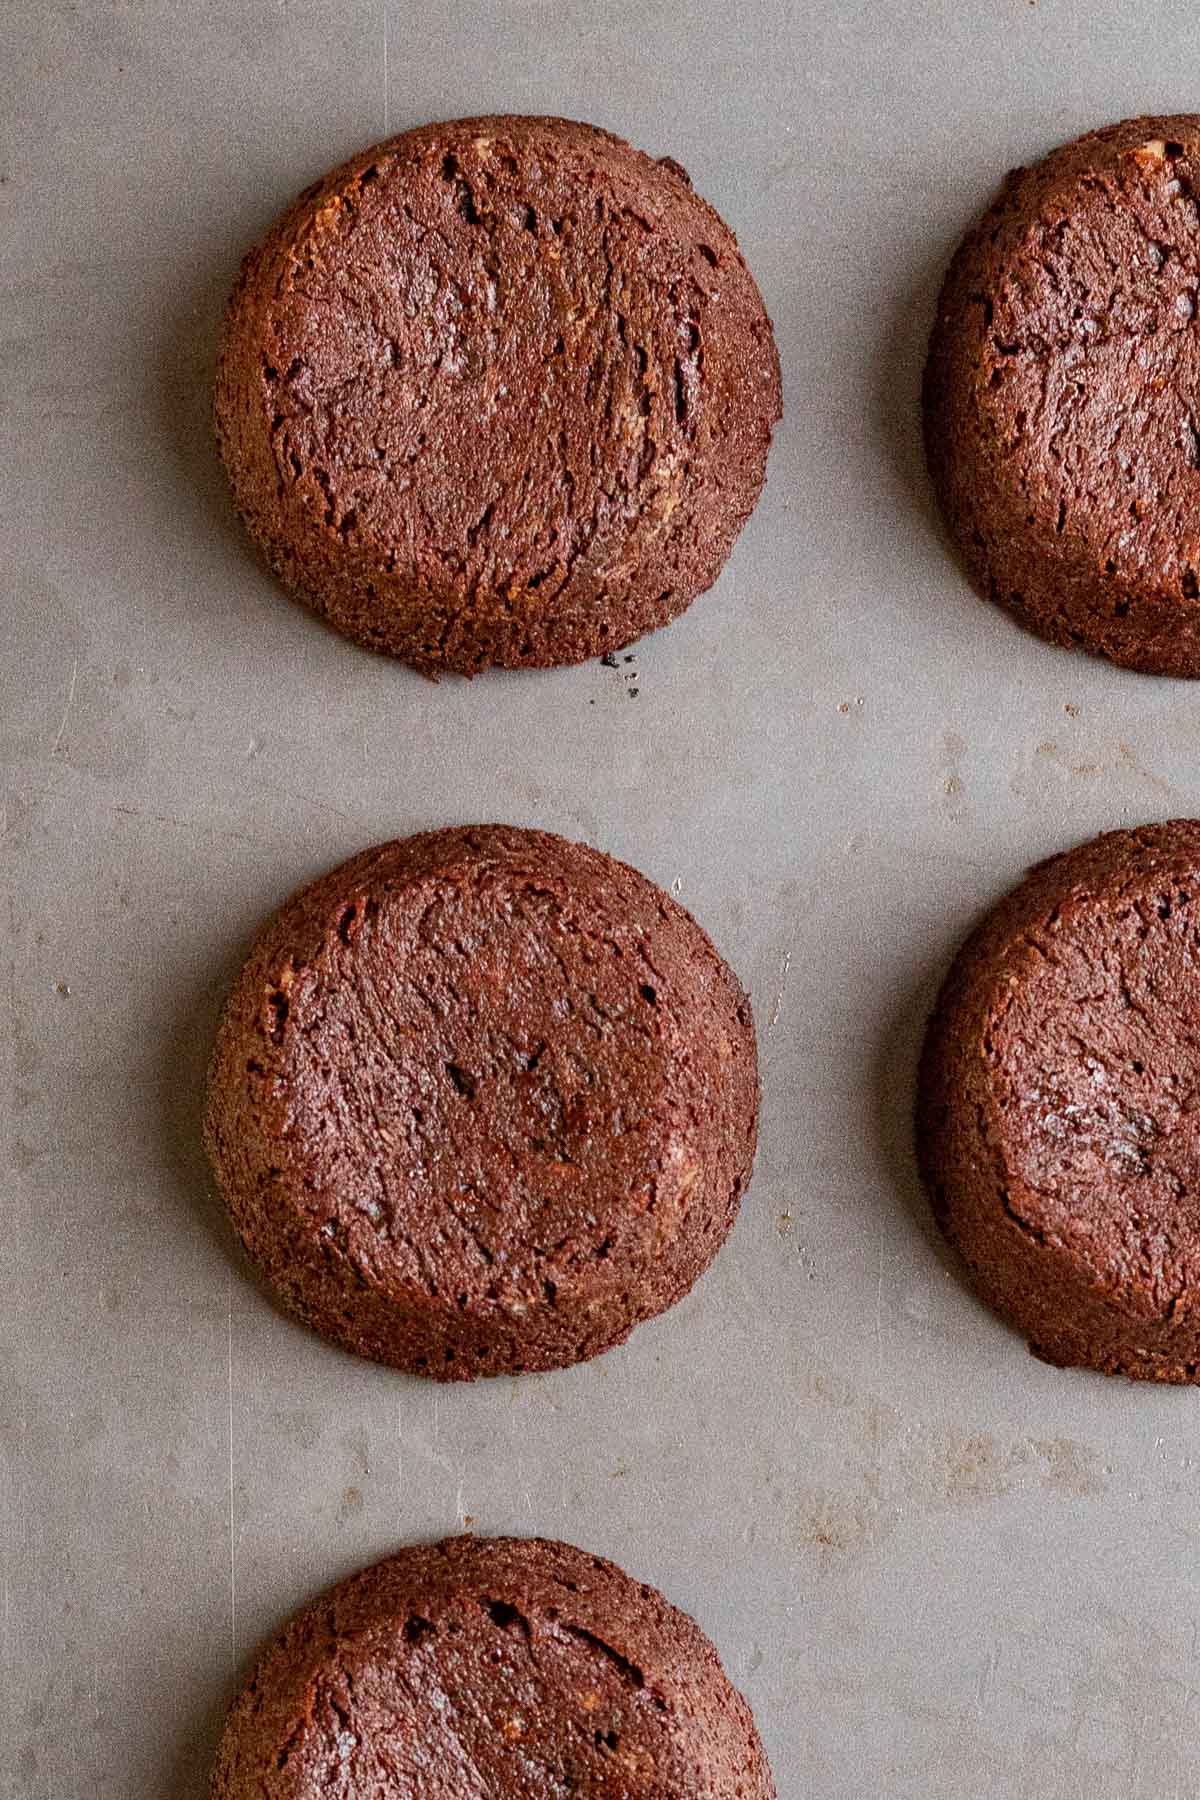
{"type": "Point", "coordinates": [491, 1669]}
{"type": "Point", "coordinates": [1059, 1108]}
{"type": "Point", "coordinates": [1062, 396]}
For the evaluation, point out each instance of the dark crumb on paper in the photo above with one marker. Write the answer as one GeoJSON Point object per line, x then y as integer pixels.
{"type": "Point", "coordinates": [611, 661]}
{"type": "Point", "coordinates": [468, 1521]}
{"type": "Point", "coordinates": [63, 988]}
{"type": "Point", "coordinates": [1069, 708]}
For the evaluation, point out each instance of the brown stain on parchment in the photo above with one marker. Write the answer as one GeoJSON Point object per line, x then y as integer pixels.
{"type": "Point", "coordinates": [895, 1469]}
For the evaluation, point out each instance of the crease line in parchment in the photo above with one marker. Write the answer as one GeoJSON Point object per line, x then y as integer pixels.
{"type": "Point", "coordinates": [385, 69]}
{"type": "Point", "coordinates": [232, 1523]}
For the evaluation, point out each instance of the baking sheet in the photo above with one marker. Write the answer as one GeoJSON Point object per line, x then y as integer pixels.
{"type": "Point", "coordinates": [937, 1568]}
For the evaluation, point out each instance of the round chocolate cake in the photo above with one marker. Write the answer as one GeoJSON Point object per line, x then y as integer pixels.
{"type": "Point", "coordinates": [491, 1669]}
{"type": "Point", "coordinates": [1062, 396]}
{"type": "Point", "coordinates": [481, 1101]}
{"type": "Point", "coordinates": [1059, 1108]}
{"type": "Point", "coordinates": [497, 391]}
